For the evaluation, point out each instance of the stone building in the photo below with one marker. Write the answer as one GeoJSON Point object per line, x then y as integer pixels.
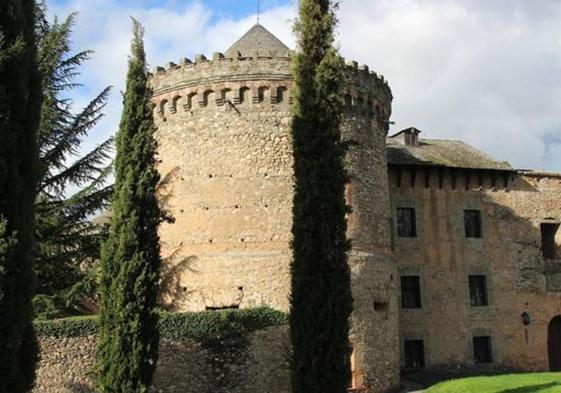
{"type": "Point", "coordinates": [478, 252]}
{"type": "Point", "coordinates": [453, 254]}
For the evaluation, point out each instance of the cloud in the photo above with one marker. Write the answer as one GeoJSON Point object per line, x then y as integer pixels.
{"type": "Point", "coordinates": [171, 33]}
{"type": "Point", "coordinates": [486, 72]}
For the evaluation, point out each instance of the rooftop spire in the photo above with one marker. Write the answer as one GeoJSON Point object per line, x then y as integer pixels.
{"type": "Point", "coordinates": [257, 41]}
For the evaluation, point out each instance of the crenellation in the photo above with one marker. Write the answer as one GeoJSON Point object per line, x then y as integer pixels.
{"type": "Point", "coordinates": [365, 94]}
{"type": "Point", "coordinates": [199, 58]}
{"type": "Point", "coordinates": [352, 64]}
{"type": "Point", "coordinates": [228, 161]}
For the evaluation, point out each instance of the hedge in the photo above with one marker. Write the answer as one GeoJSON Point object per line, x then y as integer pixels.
{"type": "Point", "coordinates": [199, 326]}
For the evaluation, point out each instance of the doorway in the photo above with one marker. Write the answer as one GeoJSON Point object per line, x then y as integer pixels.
{"type": "Point", "coordinates": [554, 343]}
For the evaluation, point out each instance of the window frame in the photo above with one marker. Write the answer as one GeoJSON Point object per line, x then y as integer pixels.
{"type": "Point", "coordinates": [411, 231]}
{"type": "Point", "coordinates": [418, 298]}
{"type": "Point", "coordinates": [409, 349]}
{"type": "Point", "coordinates": [476, 348]}
{"type": "Point", "coordinates": [548, 246]}
{"type": "Point", "coordinates": [469, 232]}
{"type": "Point", "coordinates": [474, 299]}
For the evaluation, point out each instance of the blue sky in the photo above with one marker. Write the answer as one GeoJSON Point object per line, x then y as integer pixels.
{"type": "Point", "coordinates": [485, 72]}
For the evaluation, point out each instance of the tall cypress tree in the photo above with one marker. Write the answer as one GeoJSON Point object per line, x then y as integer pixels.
{"type": "Point", "coordinates": [20, 102]}
{"type": "Point", "coordinates": [321, 299]}
{"type": "Point", "coordinates": [130, 260]}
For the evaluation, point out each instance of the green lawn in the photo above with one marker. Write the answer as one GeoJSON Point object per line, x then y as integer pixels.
{"type": "Point", "coordinates": [509, 383]}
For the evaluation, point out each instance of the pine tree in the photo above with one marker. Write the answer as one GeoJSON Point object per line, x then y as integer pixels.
{"type": "Point", "coordinates": [70, 190]}
{"type": "Point", "coordinates": [321, 299]}
{"type": "Point", "coordinates": [128, 347]}
{"type": "Point", "coordinates": [20, 103]}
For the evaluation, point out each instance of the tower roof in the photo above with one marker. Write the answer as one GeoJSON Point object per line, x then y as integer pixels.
{"type": "Point", "coordinates": [258, 41]}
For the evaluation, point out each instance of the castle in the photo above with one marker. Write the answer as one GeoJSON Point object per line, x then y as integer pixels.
{"type": "Point", "coordinates": [455, 256]}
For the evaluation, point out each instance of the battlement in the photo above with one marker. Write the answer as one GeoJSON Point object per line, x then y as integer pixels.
{"type": "Point", "coordinates": [220, 80]}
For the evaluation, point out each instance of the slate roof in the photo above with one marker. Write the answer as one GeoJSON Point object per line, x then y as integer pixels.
{"type": "Point", "coordinates": [258, 41]}
{"type": "Point", "coordinates": [442, 153]}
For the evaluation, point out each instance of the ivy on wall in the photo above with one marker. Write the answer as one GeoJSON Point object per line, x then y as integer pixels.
{"type": "Point", "coordinates": [202, 326]}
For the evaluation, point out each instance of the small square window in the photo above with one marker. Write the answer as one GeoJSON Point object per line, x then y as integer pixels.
{"type": "Point", "coordinates": [410, 292]}
{"type": "Point", "coordinates": [472, 223]}
{"type": "Point", "coordinates": [406, 222]}
{"type": "Point", "coordinates": [482, 352]}
{"type": "Point", "coordinates": [414, 353]}
{"type": "Point", "coordinates": [478, 290]}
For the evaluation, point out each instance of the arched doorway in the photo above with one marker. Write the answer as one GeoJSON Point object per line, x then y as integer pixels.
{"type": "Point", "coordinates": [554, 343]}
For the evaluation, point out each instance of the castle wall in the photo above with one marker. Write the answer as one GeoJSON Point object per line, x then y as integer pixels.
{"type": "Point", "coordinates": [509, 254]}
{"type": "Point", "coordinates": [67, 365]}
{"type": "Point", "coordinates": [227, 167]}
{"type": "Point", "coordinates": [374, 274]}
{"type": "Point", "coordinates": [225, 156]}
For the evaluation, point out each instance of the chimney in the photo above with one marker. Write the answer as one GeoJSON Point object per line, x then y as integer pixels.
{"type": "Point", "coordinates": [408, 137]}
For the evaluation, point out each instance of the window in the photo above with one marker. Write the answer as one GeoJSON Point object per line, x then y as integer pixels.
{"type": "Point", "coordinates": [410, 292]}
{"type": "Point", "coordinates": [472, 223]}
{"type": "Point", "coordinates": [414, 353]}
{"type": "Point", "coordinates": [478, 290]}
{"type": "Point", "coordinates": [482, 350]}
{"type": "Point", "coordinates": [406, 222]}
{"type": "Point", "coordinates": [548, 240]}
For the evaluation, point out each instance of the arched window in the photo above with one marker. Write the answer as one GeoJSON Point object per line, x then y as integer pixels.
{"type": "Point", "coordinates": [244, 94]}
{"type": "Point", "coordinates": [263, 93]}
{"type": "Point", "coordinates": [189, 101]}
{"type": "Point", "coordinates": [281, 94]}
{"type": "Point", "coordinates": [174, 103]}
{"type": "Point", "coordinates": [208, 97]}
{"type": "Point", "coordinates": [162, 108]}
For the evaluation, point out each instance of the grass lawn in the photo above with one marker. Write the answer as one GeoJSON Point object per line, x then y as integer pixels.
{"type": "Point", "coordinates": [509, 383]}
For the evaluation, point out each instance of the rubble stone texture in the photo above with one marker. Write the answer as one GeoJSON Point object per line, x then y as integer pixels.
{"type": "Point", "coordinates": [226, 164]}
{"type": "Point", "coordinates": [230, 366]}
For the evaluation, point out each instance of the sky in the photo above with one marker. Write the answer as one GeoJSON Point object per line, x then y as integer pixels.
{"type": "Point", "coordinates": [484, 72]}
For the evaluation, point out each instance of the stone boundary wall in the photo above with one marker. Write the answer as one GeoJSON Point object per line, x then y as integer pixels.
{"type": "Point", "coordinates": [255, 364]}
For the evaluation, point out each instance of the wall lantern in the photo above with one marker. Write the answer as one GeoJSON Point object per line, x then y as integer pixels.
{"type": "Point", "coordinates": [526, 319]}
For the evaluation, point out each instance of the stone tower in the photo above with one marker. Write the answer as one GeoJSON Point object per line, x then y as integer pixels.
{"type": "Point", "coordinates": [226, 165]}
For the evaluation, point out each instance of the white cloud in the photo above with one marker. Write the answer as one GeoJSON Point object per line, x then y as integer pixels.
{"type": "Point", "coordinates": [486, 72]}
{"type": "Point", "coordinates": [482, 71]}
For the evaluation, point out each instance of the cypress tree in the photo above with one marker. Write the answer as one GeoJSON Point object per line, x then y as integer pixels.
{"type": "Point", "coordinates": [130, 257]}
{"type": "Point", "coordinates": [321, 299]}
{"type": "Point", "coordinates": [20, 102]}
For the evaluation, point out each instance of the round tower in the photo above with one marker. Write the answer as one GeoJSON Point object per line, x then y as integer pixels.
{"type": "Point", "coordinates": [225, 160]}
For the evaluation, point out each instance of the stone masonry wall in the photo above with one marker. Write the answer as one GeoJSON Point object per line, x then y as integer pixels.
{"type": "Point", "coordinates": [225, 157]}
{"type": "Point", "coordinates": [509, 254]}
{"type": "Point", "coordinates": [254, 366]}
{"type": "Point", "coordinates": [374, 273]}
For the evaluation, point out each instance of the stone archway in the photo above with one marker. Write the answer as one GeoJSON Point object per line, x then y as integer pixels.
{"type": "Point", "coordinates": [554, 343]}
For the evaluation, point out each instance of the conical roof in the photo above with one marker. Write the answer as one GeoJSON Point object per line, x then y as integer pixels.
{"type": "Point", "coordinates": [258, 41]}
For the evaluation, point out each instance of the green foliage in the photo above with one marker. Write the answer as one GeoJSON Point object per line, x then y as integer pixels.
{"type": "Point", "coordinates": [203, 327]}
{"type": "Point", "coordinates": [6, 245]}
{"type": "Point", "coordinates": [210, 325]}
{"type": "Point", "coordinates": [68, 327]}
{"type": "Point", "coordinates": [130, 261]}
{"type": "Point", "coordinates": [68, 242]}
{"type": "Point", "coordinates": [20, 102]}
{"type": "Point", "coordinates": [510, 383]}
{"type": "Point", "coordinates": [321, 300]}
